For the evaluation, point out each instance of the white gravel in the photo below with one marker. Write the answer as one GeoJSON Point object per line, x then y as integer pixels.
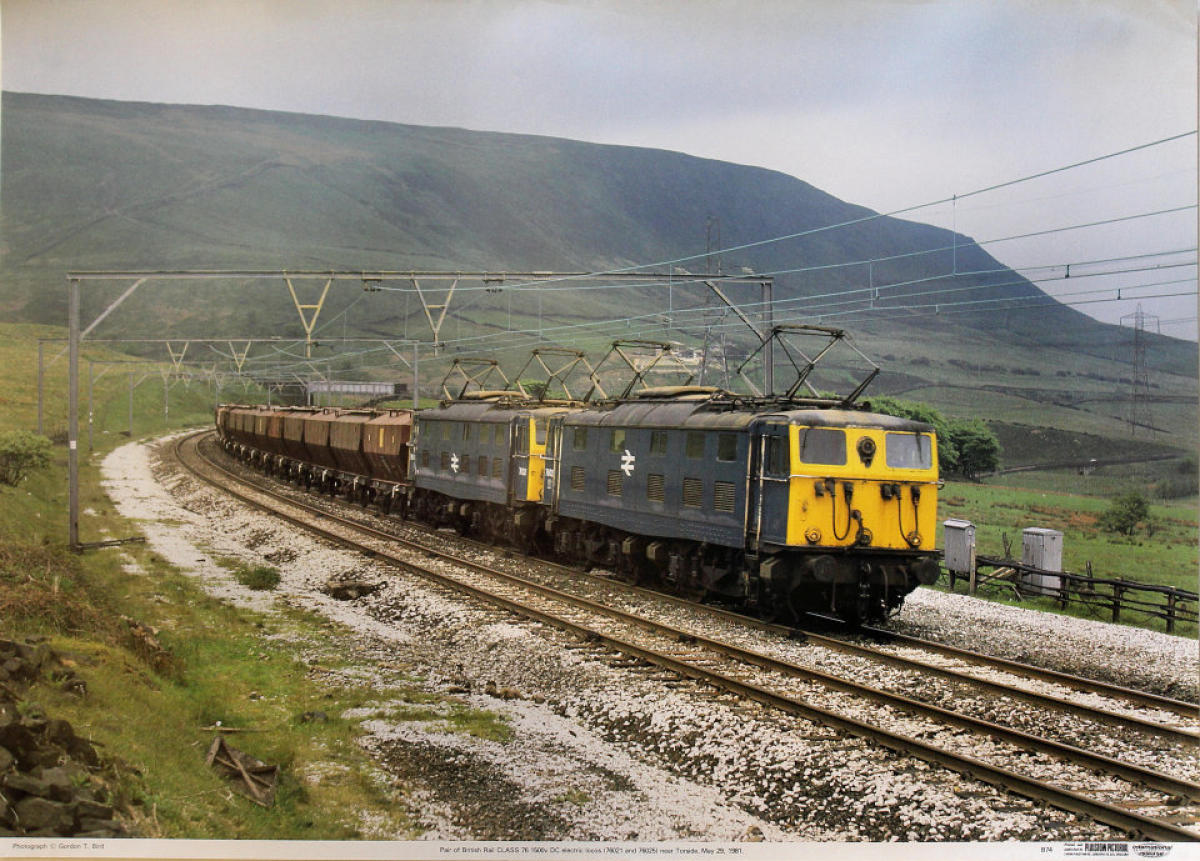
{"type": "Point", "coordinates": [601, 752]}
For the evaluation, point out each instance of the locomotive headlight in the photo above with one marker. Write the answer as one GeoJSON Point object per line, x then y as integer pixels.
{"type": "Point", "coordinates": [866, 450]}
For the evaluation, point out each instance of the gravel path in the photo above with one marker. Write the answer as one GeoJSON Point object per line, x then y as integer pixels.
{"type": "Point", "coordinates": [600, 750]}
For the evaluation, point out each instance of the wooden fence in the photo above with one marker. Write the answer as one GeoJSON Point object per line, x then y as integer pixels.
{"type": "Point", "coordinates": [1103, 596]}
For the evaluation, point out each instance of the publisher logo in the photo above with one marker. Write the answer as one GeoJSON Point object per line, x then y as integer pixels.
{"type": "Point", "coordinates": [1150, 850]}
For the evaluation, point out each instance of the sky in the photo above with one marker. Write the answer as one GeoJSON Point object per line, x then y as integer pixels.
{"type": "Point", "coordinates": [891, 104]}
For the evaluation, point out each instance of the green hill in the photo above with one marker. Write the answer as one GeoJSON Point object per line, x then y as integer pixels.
{"type": "Point", "coordinates": [92, 184]}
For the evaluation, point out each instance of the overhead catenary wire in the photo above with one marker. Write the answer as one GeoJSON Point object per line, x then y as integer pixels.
{"type": "Point", "coordinates": [682, 315]}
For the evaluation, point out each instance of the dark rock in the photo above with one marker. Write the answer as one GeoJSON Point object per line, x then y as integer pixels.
{"type": "Point", "coordinates": [59, 732]}
{"type": "Point", "coordinates": [82, 750]}
{"type": "Point", "coordinates": [59, 780]}
{"type": "Point", "coordinates": [314, 717]}
{"type": "Point", "coordinates": [348, 590]}
{"type": "Point", "coordinates": [90, 824]}
{"type": "Point", "coordinates": [7, 760]}
{"type": "Point", "coordinates": [17, 739]}
{"type": "Point", "coordinates": [74, 685]}
{"type": "Point", "coordinates": [35, 657]}
{"type": "Point", "coordinates": [86, 809]}
{"type": "Point", "coordinates": [26, 783]}
{"type": "Point", "coordinates": [35, 813]}
{"type": "Point", "coordinates": [45, 756]}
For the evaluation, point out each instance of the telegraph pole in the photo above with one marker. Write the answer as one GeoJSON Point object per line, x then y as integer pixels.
{"type": "Point", "coordinates": [73, 415]}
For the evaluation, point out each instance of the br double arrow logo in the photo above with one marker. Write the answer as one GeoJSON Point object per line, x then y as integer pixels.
{"type": "Point", "coordinates": [627, 462]}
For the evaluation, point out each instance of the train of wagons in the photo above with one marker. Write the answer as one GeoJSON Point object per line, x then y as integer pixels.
{"type": "Point", "coordinates": [783, 509]}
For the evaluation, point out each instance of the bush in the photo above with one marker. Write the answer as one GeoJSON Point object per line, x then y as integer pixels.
{"type": "Point", "coordinates": [966, 447]}
{"type": "Point", "coordinates": [261, 577]}
{"type": "Point", "coordinates": [1124, 513]}
{"type": "Point", "coordinates": [978, 449]}
{"type": "Point", "coordinates": [21, 452]}
{"type": "Point", "coordinates": [1177, 487]}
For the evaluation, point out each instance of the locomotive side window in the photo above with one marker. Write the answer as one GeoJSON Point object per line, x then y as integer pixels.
{"type": "Point", "coordinates": [658, 442]}
{"type": "Point", "coordinates": [694, 447]}
{"type": "Point", "coordinates": [776, 456]}
{"type": "Point", "coordinates": [616, 440]}
{"type": "Point", "coordinates": [726, 446]}
{"type": "Point", "coordinates": [445, 430]}
{"type": "Point", "coordinates": [908, 451]}
{"type": "Point", "coordinates": [579, 439]}
{"type": "Point", "coordinates": [466, 430]}
{"type": "Point", "coordinates": [822, 445]}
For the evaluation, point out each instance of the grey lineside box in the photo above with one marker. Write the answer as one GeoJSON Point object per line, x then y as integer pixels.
{"type": "Point", "coordinates": [1042, 549]}
{"type": "Point", "coordinates": [960, 546]}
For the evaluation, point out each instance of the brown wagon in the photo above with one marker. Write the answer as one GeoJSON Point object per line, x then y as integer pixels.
{"type": "Point", "coordinates": [316, 438]}
{"type": "Point", "coordinates": [346, 441]}
{"type": "Point", "coordinates": [293, 432]}
{"type": "Point", "coordinates": [385, 445]}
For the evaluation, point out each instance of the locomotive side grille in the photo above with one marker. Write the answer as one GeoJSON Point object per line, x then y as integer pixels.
{"type": "Point", "coordinates": [425, 457]}
{"type": "Point", "coordinates": [577, 478]}
{"type": "Point", "coordinates": [497, 467]}
{"type": "Point", "coordinates": [655, 488]}
{"type": "Point", "coordinates": [445, 461]}
{"type": "Point", "coordinates": [483, 464]}
{"type": "Point", "coordinates": [693, 492]}
{"type": "Point", "coordinates": [723, 494]}
{"type": "Point", "coordinates": [614, 482]}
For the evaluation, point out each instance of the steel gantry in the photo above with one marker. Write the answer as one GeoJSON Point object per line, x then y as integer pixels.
{"type": "Point", "coordinates": [309, 312]}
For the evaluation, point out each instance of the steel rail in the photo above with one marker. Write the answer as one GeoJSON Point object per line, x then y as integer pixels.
{"type": "Point", "coordinates": [1177, 734]}
{"type": "Point", "coordinates": [1181, 707]}
{"type": "Point", "coordinates": [1066, 799]}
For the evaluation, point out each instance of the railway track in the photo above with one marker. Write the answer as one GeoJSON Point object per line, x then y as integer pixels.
{"type": "Point", "coordinates": [751, 659]}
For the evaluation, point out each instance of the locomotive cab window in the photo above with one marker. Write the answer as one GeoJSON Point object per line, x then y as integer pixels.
{"type": "Point", "coordinates": [726, 446]}
{"type": "Point", "coordinates": [909, 451]}
{"type": "Point", "coordinates": [823, 445]}
{"type": "Point", "coordinates": [616, 440]}
{"type": "Point", "coordinates": [539, 431]}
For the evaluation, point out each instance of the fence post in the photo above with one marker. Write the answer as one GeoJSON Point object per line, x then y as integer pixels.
{"type": "Point", "coordinates": [1171, 612]}
{"type": "Point", "coordinates": [1118, 591]}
